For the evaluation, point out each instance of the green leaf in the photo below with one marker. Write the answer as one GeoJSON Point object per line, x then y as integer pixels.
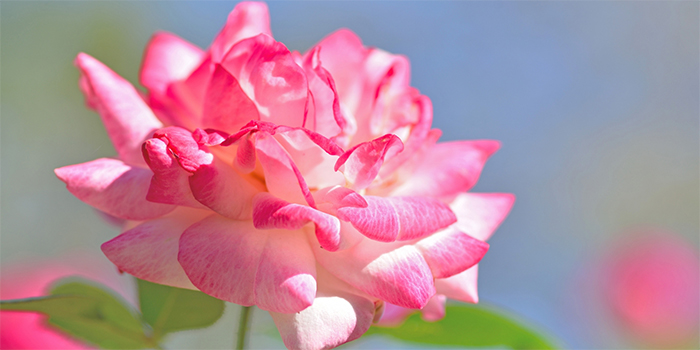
{"type": "Point", "coordinates": [169, 309]}
{"type": "Point", "coordinates": [88, 313]}
{"type": "Point", "coordinates": [467, 326]}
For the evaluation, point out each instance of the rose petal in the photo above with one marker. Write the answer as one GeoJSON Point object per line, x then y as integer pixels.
{"type": "Point", "coordinates": [448, 169]}
{"type": "Point", "coordinates": [149, 250]}
{"type": "Point", "coordinates": [270, 212]}
{"type": "Point", "coordinates": [113, 187]}
{"type": "Point", "coordinates": [127, 118]}
{"type": "Point", "coordinates": [233, 261]}
{"type": "Point", "coordinates": [170, 183]}
{"type": "Point", "coordinates": [247, 19]}
{"type": "Point", "coordinates": [226, 106]}
{"type": "Point", "coordinates": [462, 286]}
{"type": "Point", "coordinates": [450, 252]}
{"type": "Point", "coordinates": [362, 163]}
{"type": "Point", "coordinates": [479, 214]}
{"type": "Point", "coordinates": [168, 58]}
{"type": "Point", "coordinates": [398, 218]}
{"type": "Point", "coordinates": [281, 174]}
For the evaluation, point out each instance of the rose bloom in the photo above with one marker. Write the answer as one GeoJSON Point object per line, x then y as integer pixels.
{"type": "Point", "coordinates": [652, 287]}
{"type": "Point", "coordinates": [29, 279]}
{"type": "Point", "coordinates": [310, 185]}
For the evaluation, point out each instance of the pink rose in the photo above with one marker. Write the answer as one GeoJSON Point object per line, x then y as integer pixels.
{"type": "Point", "coordinates": [25, 330]}
{"type": "Point", "coordinates": [652, 285]}
{"type": "Point", "coordinates": [308, 185]}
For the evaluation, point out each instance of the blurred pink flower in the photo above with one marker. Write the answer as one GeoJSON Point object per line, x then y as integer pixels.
{"type": "Point", "coordinates": [235, 151]}
{"type": "Point", "coordinates": [652, 285]}
{"type": "Point", "coordinates": [24, 330]}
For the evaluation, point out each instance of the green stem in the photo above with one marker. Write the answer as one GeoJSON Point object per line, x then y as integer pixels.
{"type": "Point", "coordinates": [243, 327]}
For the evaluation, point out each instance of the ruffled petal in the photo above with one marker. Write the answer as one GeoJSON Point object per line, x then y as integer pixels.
{"type": "Point", "coordinates": [113, 187]}
{"type": "Point", "coordinates": [269, 76]}
{"type": "Point", "coordinates": [247, 19]}
{"type": "Point", "coordinates": [233, 261]}
{"type": "Point", "coordinates": [170, 183]}
{"type": "Point", "coordinates": [226, 106]}
{"type": "Point", "coordinates": [270, 212]}
{"type": "Point", "coordinates": [168, 58]}
{"type": "Point", "coordinates": [361, 164]}
{"type": "Point", "coordinates": [387, 271]}
{"type": "Point", "coordinates": [448, 169]}
{"type": "Point", "coordinates": [462, 286]}
{"type": "Point", "coordinates": [398, 218]}
{"type": "Point", "coordinates": [219, 187]}
{"type": "Point", "coordinates": [337, 315]}
{"type": "Point", "coordinates": [149, 250]}
{"type": "Point", "coordinates": [281, 174]}
{"type": "Point", "coordinates": [127, 118]}
{"type": "Point", "coordinates": [450, 252]}
{"type": "Point", "coordinates": [479, 214]}
{"type": "Point", "coordinates": [327, 117]}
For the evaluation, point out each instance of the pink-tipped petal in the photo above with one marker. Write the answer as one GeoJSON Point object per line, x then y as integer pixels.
{"type": "Point", "coordinates": [270, 77]}
{"type": "Point", "coordinates": [226, 106]}
{"type": "Point", "coordinates": [462, 286]}
{"type": "Point", "coordinates": [388, 271]}
{"type": "Point", "coordinates": [450, 252]}
{"type": "Point", "coordinates": [448, 169]}
{"type": "Point", "coordinates": [219, 187]}
{"type": "Point", "coordinates": [113, 187]}
{"type": "Point", "coordinates": [149, 251]}
{"type": "Point", "coordinates": [361, 164]}
{"type": "Point", "coordinates": [339, 314]}
{"type": "Point", "coordinates": [168, 58]}
{"type": "Point", "coordinates": [270, 212]}
{"type": "Point", "coordinates": [398, 218]}
{"type": "Point", "coordinates": [233, 261]}
{"type": "Point", "coordinates": [247, 19]}
{"type": "Point", "coordinates": [127, 118]}
{"type": "Point", "coordinates": [479, 214]}
{"type": "Point", "coordinates": [170, 183]}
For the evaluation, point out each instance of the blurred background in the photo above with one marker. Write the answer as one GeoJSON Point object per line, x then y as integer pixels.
{"type": "Point", "coordinates": [596, 105]}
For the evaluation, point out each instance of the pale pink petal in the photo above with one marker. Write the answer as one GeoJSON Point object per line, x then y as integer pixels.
{"type": "Point", "coordinates": [113, 187]}
{"type": "Point", "coordinates": [270, 212]}
{"type": "Point", "coordinates": [226, 106]}
{"type": "Point", "coordinates": [168, 58]}
{"type": "Point", "coordinates": [328, 120]}
{"type": "Point", "coordinates": [462, 286]}
{"type": "Point", "coordinates": [219, 187]}
{"type": "Point", "coordinates": [269, 76]}
{"type": "Point", "coordinates": [450, 252]}
{"type": "Point", "coordinates": [362, 163]}
{"type": "Point", "coordinates": [448, 169]}
{"type": "Point", "coordinates": [398, 218]}
{"type": "Point", "coordinates": [394, 316]}
{"type": "Point", "coordinates": [127, 118]}
{"type": "Point", "coordinates": [170, 183]}
{"type": "Point", "coordinates": [388, 271]}
{"type": "Point", "coordinates": [330, 199]}
{"type": "Point", "coordinates": [313, 154]}
{"type": "Point", "coordinates": [338, 315]}
{"type": "Point", "coordinates": [435, 309]}
{"type": "Point", "coordinates": [233, 261]}
{"type": "Point", "coordinates": [247, 19]}
{"type": "Point", "coordinates": [479, 214]}
{"type": "Point", "coordinates": [149, 251]}
{"type": "Point", "coordinates": [282, 177]}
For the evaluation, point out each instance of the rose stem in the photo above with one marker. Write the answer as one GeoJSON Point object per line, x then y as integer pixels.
{"type": "Point", "coordinates": [243, 327]}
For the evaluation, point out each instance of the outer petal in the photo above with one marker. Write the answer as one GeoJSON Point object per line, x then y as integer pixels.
{"type": "Point", "coordinates": [479, 214]}
{"type": "Point", "coordinates": [338, 315]}
{"type": "Point", "coordinates": [388, 271]}
{"type": "Point", "coordinates": [450, 252]}
{"type": "Point", "coordinates": [448, 169]}
{"type": "Point", "coordinates": [149, 251]}
{"type": "Point", "coordinates": [247, 19]}
{"type": "Point", "coordinates": [362, 163]}
{"type": "Point", "coordinates": [270, 212]}
{"type": "Point", "coordinates": [398, 218]}
{"type": "Point", "coordinates": [113, 187]}
{"type": "Point", "coordinates": [394, 315]}
{"type": "Point", "coordinates": [127, 118]}
{"type": "Point", "coordinates": [233, 261]}
{"type": "Point", "coordinates": [168, 58]}
{"type": "Point", "coordinates": [462, 286]}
